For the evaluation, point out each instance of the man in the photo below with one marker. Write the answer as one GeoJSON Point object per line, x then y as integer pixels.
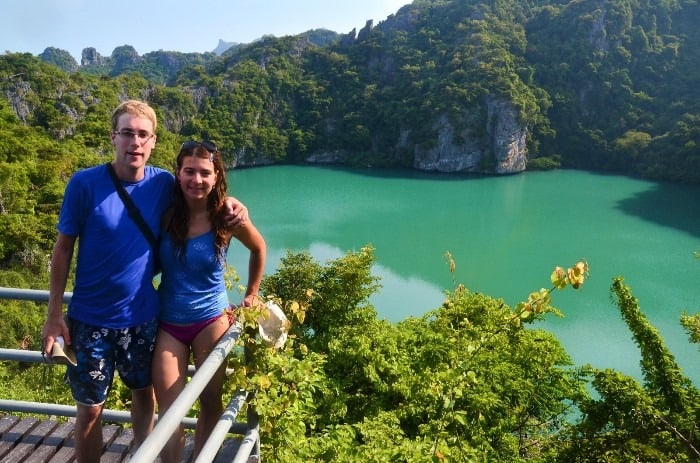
{"type": "Point", "coordinates": [114, 308]}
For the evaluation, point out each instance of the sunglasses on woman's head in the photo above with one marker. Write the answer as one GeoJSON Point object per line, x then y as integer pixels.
{"type": "Point", "coordinates": [206, 144]}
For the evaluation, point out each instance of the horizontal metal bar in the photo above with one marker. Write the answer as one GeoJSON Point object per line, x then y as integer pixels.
{"type": "Point", "coordinates": [36, 295]}
{"type": "Point", "coordinates": [34, 356]}
{"type": "Point", "coordinates": [20, 355]}
{"type": "Point", "coordinates": [41, 408]}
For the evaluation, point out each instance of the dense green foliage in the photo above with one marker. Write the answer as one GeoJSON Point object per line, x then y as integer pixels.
{"type": "Point", "coordinates": [622, 77]}
{"type": "Point", "coordinates": [468, 381]}
{"type": "Point", "coordinates": [607, 86]}
{"type": "Point", "coordinates": [653, 422]}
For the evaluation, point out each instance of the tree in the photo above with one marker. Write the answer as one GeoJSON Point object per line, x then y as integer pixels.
{"type": "Point", "coordinates": [653, 422]}
{"type": "Point", "coordinates": [467, 380]}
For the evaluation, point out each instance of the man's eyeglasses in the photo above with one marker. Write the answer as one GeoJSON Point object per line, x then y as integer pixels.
{"type": "Point", "coordinates": [206, 144]}
{"type": "Point", "coordinates": [142, 135]}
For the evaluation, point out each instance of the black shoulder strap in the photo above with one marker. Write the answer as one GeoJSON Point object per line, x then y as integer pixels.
{"type": "Point", "coordinates": [132, 210]}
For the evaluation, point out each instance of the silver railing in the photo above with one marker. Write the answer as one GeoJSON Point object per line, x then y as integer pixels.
{"type": "Point", "coordinates": [168, 423]}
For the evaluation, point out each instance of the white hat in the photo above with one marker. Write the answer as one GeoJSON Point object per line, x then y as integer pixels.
{"type": "Point", "coordinates": [273, 329]}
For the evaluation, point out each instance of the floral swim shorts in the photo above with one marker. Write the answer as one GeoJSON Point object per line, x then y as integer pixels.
{"type": "Point", "coordinates": [101, 351]}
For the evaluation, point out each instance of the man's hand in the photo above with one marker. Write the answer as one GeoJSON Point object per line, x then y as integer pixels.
{"type": "Point", "coordinates": [53, 328]}
{"type": "Point", "coordinates": [235, 212]}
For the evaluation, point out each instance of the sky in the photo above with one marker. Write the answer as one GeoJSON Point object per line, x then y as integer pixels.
{"type": "Point", "coordinates": [30, 26]}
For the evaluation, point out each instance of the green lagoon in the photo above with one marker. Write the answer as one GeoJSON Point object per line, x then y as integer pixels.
{"type": "Point", "coordinates": [506, 235]}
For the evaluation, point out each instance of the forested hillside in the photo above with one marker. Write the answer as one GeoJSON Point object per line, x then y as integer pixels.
{"type": "Point", "coordinates": [454, 86]}
{"type": "Point", "coordinates": [594, 85]}
{"type": "Point", "coordinates": [441, 85]}
{"type": "Point", "coordinates": [622, 77]}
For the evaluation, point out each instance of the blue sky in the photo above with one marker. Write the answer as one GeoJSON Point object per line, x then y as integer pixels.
{"type": "Point", "coordinates": [173, 25]}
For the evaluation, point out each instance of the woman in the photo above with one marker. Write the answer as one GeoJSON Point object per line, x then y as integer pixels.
{"type": "Point", "coordinates": [192, 292]}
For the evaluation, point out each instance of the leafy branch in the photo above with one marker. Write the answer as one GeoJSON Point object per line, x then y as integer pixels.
{"type": "Point", "coordinates": [537, 304]}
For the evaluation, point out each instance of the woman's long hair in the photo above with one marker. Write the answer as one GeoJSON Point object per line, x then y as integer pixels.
{"type": "Point", "coordinates": [179, 222]}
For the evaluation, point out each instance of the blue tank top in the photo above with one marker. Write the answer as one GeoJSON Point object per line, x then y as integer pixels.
{"type": "Point", "coordinates": [192, 287]}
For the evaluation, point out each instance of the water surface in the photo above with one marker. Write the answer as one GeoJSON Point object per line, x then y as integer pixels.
{"type": "Point", "coordinates": [506, 235]}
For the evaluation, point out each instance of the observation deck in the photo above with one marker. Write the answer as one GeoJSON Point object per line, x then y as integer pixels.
{"type": "Point", "coordinates": [36, 432]}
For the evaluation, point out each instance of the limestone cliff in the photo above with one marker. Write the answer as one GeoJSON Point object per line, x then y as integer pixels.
{"type": "Point", "coordinates": [90, 57]}
{"type": "Point", "coordinates": [501, 150]}
{"type": "Point", "coordinates": [491, 143]}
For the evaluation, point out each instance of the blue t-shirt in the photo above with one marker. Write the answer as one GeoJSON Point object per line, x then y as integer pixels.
{"type": "Point", "coordinates": [115, 265]}
{"type": "Point", "coordinates": [192, 287]}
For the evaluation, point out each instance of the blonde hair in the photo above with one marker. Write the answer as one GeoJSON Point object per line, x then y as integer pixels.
{"type": "Point", "coordinates": [135, 108]}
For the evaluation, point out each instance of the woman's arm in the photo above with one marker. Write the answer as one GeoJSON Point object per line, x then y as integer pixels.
{"type": "Point", "coordinates": [251, 238]}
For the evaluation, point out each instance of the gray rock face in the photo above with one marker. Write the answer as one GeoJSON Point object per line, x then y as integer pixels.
{"type": "Point", "coordinates": [501, 150]}
{"type": "Point", "coordinates": [90, 57]}
{"type": "Point", "coordinates": [450, 153]}
{"type": "Point", "coordinates": [327, 157]}
{"type": "Point", "coordinates": [16, 96]}
{"type": "Point", "coordinates": [508, 138]}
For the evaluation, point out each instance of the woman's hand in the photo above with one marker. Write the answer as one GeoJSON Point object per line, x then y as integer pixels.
{"type": "Point", "coordinates": [250, 300]}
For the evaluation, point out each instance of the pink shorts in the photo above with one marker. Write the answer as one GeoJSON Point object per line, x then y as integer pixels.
{"type": "Point", "coordinates": [186, 333]}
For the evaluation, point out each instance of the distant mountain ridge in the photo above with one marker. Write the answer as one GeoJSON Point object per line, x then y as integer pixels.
{"type": "Point", "coordinates": [223, 46]}
{"type": "Point", "coordinates": [159, 66]}
{"type": "Point", "coordinates": [449, 86]}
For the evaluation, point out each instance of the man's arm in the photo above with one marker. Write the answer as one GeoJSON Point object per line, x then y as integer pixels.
{"type": "Point", "coordinates": [60, 266]}
{"type": "Point", "coordinates": [235, 213]}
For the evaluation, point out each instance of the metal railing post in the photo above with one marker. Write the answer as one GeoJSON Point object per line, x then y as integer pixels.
{"type": "Point", "coordinates": [168, 423]}
{"type": "Point", "coordinates": [223, 427]}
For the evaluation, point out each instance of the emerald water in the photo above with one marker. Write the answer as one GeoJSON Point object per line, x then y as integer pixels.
{"type": "Point", "coordinates": [506, 235]}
